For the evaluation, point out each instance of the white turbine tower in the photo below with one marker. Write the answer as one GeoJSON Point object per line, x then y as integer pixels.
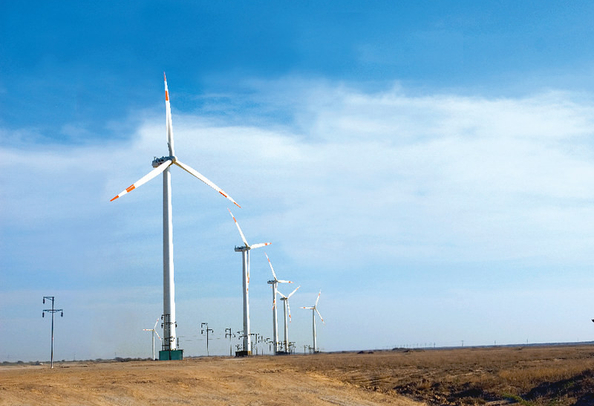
{"type": "Point", "coordinates": [287, 310]}
{"type": "Point", "coordinates": [245, 254]}
{"type": "Point", "coordinates": [162, 165]}
{"type": "Point", "coordinates": [154, 330]}
{"type": "Point", "coordinates": [274, 283]}
{"type": "Point", "coordinates": [314, 310]}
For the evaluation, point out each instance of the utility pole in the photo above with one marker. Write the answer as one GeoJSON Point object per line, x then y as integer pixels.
{"type": "Point", "coordinates": [229, 334]}
{"type": "Point", "coordinates": [254, 343]}
{"type": "Point", "coordinates": [52, 311]}
{"type": "Point", "coordinates": [202, 332]}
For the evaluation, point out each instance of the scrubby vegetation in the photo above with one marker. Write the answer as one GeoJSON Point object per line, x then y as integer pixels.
{"type": "Point", "coordinates": [496, 376]}
{"type": "Point", "coordinates": [533, 376]}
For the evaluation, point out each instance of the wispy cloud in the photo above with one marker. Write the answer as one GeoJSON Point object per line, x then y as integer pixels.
{"type": "Point", "coordinates": [456, 177]}
{"type": "Point", "coordinates": [354, 189]}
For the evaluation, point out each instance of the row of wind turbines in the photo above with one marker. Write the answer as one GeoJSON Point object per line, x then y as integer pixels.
{"type": "Point", "coordinates": [245, 250]}
{"type": "Point", "coordinates": [170, 341]}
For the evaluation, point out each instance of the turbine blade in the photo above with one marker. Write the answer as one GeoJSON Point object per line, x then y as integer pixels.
{"type": "Point", "coordinates": [321, 318]}
{"type": "Point", "coordinates": [239, 228]}
{"type": "Point", "coordinates": [168, 119]}
{"type": "Point", "coordinates": [197, 174]}
{"type": "Point", "coordinates": [281, 281]}
{"type": "Point", "coordinates": [147, 329]}
{"type": "Point", "coordinates": [308, 308]}
{"type": "Point", "coordinates": [289, 309]}
{"type": "Point", "coordinates": [318, 299]}
{"type": "Point", "coordinates": [158, 336]}
{"type": "Point", "coordinates": [278, 291]}
{"type": "Point", "coordinates": [259, 245]}
{"type": "Point", "coordinates": [271, 268]}
{"type": "Point", "coordinates": [293, 292]}
{"type": "Point", "coordinates": [157, 322]}
{"type": "Point", "coordinates": [157, 171]}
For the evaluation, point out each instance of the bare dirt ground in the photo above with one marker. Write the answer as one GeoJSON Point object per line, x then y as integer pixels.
{"type": "Point", "coordinates": [204, 381]}
{"type": "Point", "coordinates": [530, 376]}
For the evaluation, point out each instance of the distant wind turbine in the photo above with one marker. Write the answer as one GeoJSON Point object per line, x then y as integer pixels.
{"type": "Point", "coordinates": [274, 283]}
{"type": "Point", "coordinates": [162, 165]}
{"type": "Point", "coordinates": [154, 330]}
{"type": "Point", "coordinates": [287, 311]}
{"type": "Point", "coordinates": [314, 310]}
{"type": "Point", "coordinates": [245, 255]}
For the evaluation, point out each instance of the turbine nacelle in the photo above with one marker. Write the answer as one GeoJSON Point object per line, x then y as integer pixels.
{"type": "Point", "coordinates": [158, 161]}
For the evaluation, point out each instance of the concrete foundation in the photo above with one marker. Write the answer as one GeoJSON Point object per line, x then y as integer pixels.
{"type": "Point", "coordinates": [171, 355]}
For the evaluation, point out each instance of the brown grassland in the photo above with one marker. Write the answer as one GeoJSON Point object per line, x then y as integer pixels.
{"type": "Point", "coordinates": [531, 375]}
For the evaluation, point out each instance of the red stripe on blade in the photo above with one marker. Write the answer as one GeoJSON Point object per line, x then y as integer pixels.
{"type": "Point", "coordinates": [131, 188]}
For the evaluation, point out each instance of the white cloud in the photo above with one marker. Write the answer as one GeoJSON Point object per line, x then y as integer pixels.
{"type": "Point", "coordinates": [363, 188]}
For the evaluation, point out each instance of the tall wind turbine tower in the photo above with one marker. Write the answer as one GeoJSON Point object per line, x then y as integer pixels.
{"type": "Point", "coordinates": [287, 311]}
{"type": "Point", "coordinates": [245, 255]}
{"type": "Point", "coordinates": [274, 283]}
{"type": "Point", "coordinates": [162, 165]}
{"type": "Point", "coordinates": [314, 310]}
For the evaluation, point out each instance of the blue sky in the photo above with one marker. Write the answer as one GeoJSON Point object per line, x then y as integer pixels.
{"type": "Point", "coordinates": [428, 165]}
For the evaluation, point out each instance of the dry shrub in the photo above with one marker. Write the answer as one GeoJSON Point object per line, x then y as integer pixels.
{"type": "Point", "coordinates": [469, 376]}
{"type": "Point", "coordinates": [526, 379]}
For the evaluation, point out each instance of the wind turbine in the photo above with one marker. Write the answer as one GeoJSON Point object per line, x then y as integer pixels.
{"type": "Point", "coordinates": [274, 283]}
{"type": "Point", "coordinates": [245, 254]}
{"type": "Point", "coordinates": [154, 332]}
{"type": "Point", "coordinates": [161, 165]}
{"type": "Point", "coordinates": [314, 310]}
{"type": "Point", "coordinates": [287, 310]}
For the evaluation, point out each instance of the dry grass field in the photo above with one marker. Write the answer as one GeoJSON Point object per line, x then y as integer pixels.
{"type": "Point", "coordinates": [553, 375]}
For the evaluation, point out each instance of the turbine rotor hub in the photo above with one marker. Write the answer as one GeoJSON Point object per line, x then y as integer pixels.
{"type": "Point", "coordinates": [159, 161]}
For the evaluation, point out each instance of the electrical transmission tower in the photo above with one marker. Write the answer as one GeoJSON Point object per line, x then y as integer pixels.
{"type": "Point", "coordinates": [229, 334]}
{"type": "Point", "coordinates": [207, 331]}
{"type": "Point", "coordinates": [52, 311]}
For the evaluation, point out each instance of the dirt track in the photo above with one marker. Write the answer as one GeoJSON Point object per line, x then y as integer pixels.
{"type": "Point", "coordinates": [212, 381]}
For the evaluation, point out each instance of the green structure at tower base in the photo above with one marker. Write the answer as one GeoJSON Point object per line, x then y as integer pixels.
{"type": "Point", "coordinates": [171, 355]}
